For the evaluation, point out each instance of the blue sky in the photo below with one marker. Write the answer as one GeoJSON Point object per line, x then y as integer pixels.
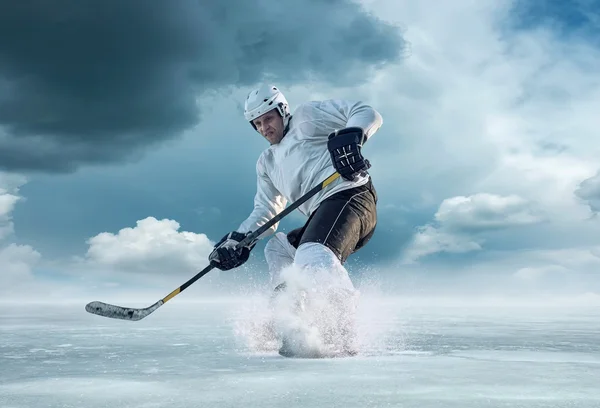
{"type": "Point", "coordinates": [486, 165]}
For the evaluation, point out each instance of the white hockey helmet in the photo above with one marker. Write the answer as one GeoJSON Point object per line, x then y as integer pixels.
{"type": "Point", "coordinates": [263, 99]}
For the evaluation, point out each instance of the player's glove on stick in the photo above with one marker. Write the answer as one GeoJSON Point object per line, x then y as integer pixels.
{"type": "Point", "coordinates": [226, 255]}
{"type": "Point", "coordinates": [344, 147]}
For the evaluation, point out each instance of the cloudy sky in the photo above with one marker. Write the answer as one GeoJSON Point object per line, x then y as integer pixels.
{"type": "Point", "coordinates": [124, 154]}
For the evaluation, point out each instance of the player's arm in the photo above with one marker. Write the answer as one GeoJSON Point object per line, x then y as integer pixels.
{"type": "Point", "coordinates": [359, 123]}
{"type": "Point", "coordinates": [268, 202]}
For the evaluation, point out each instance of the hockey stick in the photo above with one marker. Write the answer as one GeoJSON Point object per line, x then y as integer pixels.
{"type": "Point", "coordinates": [134, 314]}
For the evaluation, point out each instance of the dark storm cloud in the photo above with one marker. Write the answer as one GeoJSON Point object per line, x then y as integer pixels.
{"type": "Point", "coordinates": [88, 82]}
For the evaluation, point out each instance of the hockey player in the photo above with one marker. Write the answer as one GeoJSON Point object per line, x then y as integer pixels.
{"type": "Point", "coordinates": [306, 147]}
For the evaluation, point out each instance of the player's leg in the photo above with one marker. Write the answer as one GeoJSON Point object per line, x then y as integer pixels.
{"type": "Point", "coordinates": [279, 254]}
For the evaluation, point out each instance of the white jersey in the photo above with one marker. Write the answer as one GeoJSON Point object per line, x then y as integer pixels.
{"type": "Point", "coordinates": [300, 161]}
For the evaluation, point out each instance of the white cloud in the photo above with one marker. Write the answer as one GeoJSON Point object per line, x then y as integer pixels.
{"type": "Point", "coordinates": [486, 211]}
{"type": "Point", "coordinates": [151, 247]}
{"type": "Point", "coordinates": [430, 240]}
{"type": "Point", "coordinates": [16, 261]}
{"type": "Point", "coordinates": [7, 203]}
{"type": "Point", "coordinates": [575, 269]}
{"type": "Point", "coordinates": [460, 223]}
{"type": "Point", "coordinates": [535, 273]}
{"type": "Point", "coordinates": [9, 196]}
{"type": "Point", "coordinates": [16, 266]}
{"type": "Point", "coordinates": [581, 258]}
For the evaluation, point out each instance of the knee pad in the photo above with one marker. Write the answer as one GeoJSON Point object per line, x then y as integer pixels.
{"type": "Point", "coordinates": [323, 265]}
{"type": "Point", "coordinates": [314, 254]}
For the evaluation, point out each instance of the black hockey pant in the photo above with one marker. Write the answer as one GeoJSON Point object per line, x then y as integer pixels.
{"type": "Point", "coordinates": [344, 222]}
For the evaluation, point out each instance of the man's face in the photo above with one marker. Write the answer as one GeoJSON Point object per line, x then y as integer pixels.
{"type": "Point", "coordinates": [270, 125]}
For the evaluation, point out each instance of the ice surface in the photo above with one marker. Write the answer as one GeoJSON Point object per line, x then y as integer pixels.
{"type": "Point", "coordinates": [212, 355]}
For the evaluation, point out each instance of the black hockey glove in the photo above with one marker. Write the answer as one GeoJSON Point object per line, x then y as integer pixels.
{"type": "Point", "coordinates": [227, 255]}
{"type": "Point", "coordinates": [344, 147]}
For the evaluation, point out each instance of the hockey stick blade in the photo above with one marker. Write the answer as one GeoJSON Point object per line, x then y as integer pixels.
{"type": "Point", "coordinates": [119, 312]}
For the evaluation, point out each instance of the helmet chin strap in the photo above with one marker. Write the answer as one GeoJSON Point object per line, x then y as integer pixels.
{"type": "Point", "coordinates": [286, 118]}
{"type": "Point", "coordinates": [287, 126]}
